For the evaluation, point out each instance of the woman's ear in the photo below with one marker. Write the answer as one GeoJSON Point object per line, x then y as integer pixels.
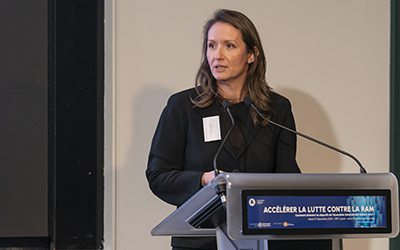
{"type": "Point", "coordinates": [254, 54]}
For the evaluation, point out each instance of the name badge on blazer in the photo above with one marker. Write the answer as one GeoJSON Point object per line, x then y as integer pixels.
{"type": "Point", "coordinates": [211, 127]}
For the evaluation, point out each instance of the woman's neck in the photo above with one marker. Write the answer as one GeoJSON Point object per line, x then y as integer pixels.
{"type": "Point", "coordinates": [234, 94]}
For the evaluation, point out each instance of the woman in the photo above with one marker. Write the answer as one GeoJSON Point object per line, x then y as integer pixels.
{"type": "Point", "coordinates": [181, 156]}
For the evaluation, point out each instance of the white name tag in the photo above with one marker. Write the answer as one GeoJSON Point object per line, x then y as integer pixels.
{"type": "Point", "coordinates": [212, 131]}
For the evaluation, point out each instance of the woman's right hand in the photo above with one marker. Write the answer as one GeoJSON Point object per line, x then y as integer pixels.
{"type": "Point", "coordinates": [207, 177]}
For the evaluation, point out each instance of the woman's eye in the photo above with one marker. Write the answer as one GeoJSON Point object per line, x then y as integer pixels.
{"type": "Point", "coordinates": [211, 46]}
{"type": "Point", "coordinates": [231, 46]}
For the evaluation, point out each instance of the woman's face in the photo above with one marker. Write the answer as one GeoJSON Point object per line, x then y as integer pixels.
{"type": "Point", "coordinates": [227, 54]}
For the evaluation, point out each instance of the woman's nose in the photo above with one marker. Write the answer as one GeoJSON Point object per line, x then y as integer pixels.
{"type": "Point", "coordinates": [219, 53]}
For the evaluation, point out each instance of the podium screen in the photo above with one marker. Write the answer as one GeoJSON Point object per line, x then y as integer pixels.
{"type": "Point", "coordinates": [316, 211]}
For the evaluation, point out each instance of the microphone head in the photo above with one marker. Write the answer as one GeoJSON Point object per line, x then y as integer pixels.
{"type": "Point", "coordinates": [226, 104]}
{"type": "Point", "coordinates": [247, 100]}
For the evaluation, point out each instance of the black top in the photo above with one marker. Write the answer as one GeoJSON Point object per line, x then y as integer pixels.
{"type": "Point", "coordinates": [240, 114]}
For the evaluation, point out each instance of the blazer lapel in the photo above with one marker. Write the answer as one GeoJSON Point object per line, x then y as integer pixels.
{"type": "Point", "coordinates": [250, 133]}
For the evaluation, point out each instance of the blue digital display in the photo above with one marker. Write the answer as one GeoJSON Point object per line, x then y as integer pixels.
{"type": "Point", "coordinates": [292, 211]}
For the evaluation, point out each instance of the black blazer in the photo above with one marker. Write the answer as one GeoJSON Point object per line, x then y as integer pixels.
{"type": "Point", "coordinates": [179, 156]}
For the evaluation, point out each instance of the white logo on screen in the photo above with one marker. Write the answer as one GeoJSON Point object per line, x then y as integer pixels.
{"type": "Point", "coordinates": [252, 202]}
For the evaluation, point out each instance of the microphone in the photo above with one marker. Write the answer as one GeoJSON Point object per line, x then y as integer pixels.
{"type": "Point", "coordinates": [220, 189]}
{"type": "Point", "coordinates": [226, 106]}
{"type": "Point", "coordinates": [249, 103]}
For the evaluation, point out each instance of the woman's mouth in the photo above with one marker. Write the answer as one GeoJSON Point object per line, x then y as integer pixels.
{"type": "Point", "coordinates": [219, 67]}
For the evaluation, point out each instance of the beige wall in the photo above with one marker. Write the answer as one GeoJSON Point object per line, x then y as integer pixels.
{"type": "Point", "coordinates": [330, 58]}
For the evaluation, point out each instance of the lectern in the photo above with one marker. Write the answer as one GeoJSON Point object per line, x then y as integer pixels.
{"type": "Point", "coordinates": [256, 208]}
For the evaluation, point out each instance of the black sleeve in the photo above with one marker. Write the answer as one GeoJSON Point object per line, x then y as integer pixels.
{"type": "Point", "coordinates": [287, 141]}
{"type": "Point", "coordinates": [166, 172]}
